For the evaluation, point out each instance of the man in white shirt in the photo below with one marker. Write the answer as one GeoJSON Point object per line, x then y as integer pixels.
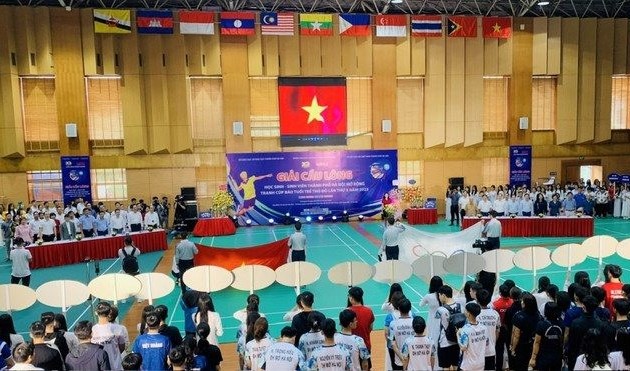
{"type": "Point", "coordinates": [297, 244]}
{"type": "Point", "coordinates": [400, 329]}
{"type": "Point", "coordinates": [492, 321]}
{"type": "Point", "coordinates": [390, 239]}
{"type": "Point", "coordinates": [134, 218]}
{"type": "Point", "coordinates": [117, 222]}
{"type": "Point", "coordinates": [185, 252]}
{"type": "Point", "coordinates": [419, 350]}
{"type": "Point", "coordinates": [472, 340]}
{"type": "Point", "coordinates": [283, 355]}
{"type": "Point", "coordinates": [492, 231]}
{"type": "Point", "coordinates": [20, 259]}
{"type": "Point", "coordinates": [151, 218]}
{"type": "Point", "coordinates": [353, 344]}
{"type": "Point", "coordinates": [47, 228]}
{"type": "Point", "coordinates": [36, 226]}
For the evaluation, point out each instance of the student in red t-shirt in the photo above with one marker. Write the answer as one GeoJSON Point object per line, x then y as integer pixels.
{"type": "Point", "coordinates": [501, 305]}
{"type": "Point", "coordinates": [612, 287]}
{"type": "Point", "coordinates": [365, 317]}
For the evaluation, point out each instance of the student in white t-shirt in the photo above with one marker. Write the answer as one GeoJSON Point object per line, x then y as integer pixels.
{"type": "Point", "coordinates": [330, 357]}
{"type": "Point", "coordinates": [399, 330]}
{"type": "Point", "coordinates": [492, 321]}
{"type": "Point", "coordinates": [418, 350]}
{"type": "Point", "coordinates": [355, 345]}
{"type": "Point", "coordinates": [283, 355]}
{"type": "Point", "coordinates": [595, 356]}
{"type": "Point", "coordinates": [20, 259]}
{"type": "Point", "coordinates": [314, 338]}
{"type": "Point", "coordinates": [256, 348]}
{"type": "Point", "coordinates": [472, 340]}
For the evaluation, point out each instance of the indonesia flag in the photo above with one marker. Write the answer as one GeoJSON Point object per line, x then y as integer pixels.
{"type": "Point", "coordinates": [426, 25]}
{"type": "Point", "coordinates": [196, 22]}
{"type": "Point", "coordinates": [391, 25]}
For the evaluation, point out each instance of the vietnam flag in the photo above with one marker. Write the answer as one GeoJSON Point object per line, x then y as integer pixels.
{"type": "Point", "coordinates": [497, 27]}
{"type": "Point", "coordinates": [462, 26]}
{"type": "Point", "coordinates": [312, 111]}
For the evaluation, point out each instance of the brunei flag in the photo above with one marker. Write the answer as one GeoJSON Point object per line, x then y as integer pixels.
{"type": "Point", "coordinates": [112, 21]}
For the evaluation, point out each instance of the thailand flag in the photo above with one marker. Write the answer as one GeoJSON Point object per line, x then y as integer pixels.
{"type": "Point", "coordinates": [426, 25]}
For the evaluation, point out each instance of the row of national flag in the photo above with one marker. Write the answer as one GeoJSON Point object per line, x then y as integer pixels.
{"type": "Point", "coordinates": [310, 24]}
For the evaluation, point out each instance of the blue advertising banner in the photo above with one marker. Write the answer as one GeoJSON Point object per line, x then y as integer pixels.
{"type": "Point", "coordinates": [302, 184]}
{"type": "Point", "coordinates": [520, 165]}
{"type": "Point", "coordinates": [75, 178]}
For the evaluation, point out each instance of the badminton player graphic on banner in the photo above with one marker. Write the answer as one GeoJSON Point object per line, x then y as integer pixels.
{"type": "Point", "coordinates": [270, 185]}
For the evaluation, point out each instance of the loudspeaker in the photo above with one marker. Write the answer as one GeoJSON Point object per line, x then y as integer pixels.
{"type": "Point", "coordinates": [191, 209]}
{"type": "Point", "coordinates": [523, 123]}
{"type": "Point", "coordinates": [71, 130]}
{"type": "Point", "coordinates": [386, 126]}
{"type": "Point", "coordinates": [456, 182]}
{"type": "Point", "coordinates": [237, 128]}
{"type": "Point", "coordinates": [188, 193]}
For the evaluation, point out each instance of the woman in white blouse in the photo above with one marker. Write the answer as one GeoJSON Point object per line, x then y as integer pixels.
{"type": "Point", "coordinates": [205, 313]}
{"type": "Point", "coordinates": [431, 300]}
{"type": "Point", "coordinates": [463, 201]}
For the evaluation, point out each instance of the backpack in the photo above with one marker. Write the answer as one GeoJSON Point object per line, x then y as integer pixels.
{"type": "Point", "coordinates": [130, 262]}
{"type": "Point", "coordinates": [554, 338]}
{"type": "Point", "coordinates": [456, 320]}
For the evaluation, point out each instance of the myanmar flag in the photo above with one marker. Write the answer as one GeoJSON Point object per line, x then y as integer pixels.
{"type": "Point", "coordinates": [316, 24]}
{"type": "Point", "coordinates": [112, 21]}
{"type": "Point", "coordinates": [312, 111]}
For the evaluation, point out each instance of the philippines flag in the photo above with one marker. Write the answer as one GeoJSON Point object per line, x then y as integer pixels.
{"type": "Point", "coordinates": [272, 23]}
{"type": "Point", "coordinates": [238, 23]}
{"type": "Point", "coordinates": [426, 25]}
{"type": "Point", "coordinates": [354, 24]}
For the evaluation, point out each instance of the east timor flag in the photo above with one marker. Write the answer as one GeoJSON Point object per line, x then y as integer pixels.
{"type": "Point", "coordinates": [112, 21]}
{"type": "Point", "coordinates": [462, 26]}
{"type": "Point", "coordinates": [312, 111]}
{"type": "Point", "coordinates": [497, 27]}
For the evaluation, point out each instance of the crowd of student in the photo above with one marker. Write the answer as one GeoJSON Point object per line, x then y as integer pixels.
{"type": "Point", "coordinates": [585, 327]}
{"type": "Point", "coordinates": [597, 199]}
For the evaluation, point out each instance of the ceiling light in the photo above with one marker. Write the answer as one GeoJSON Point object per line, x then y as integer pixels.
{"type": "Point", "coordinates": [543, 3]}
{"type": "Point", "coordinates": [397, 1]}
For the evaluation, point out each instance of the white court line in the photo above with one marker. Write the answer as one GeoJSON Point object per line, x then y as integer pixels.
{"type": "Point", "coordinates": [369, 254]}
{"type": "Point", "coordinates": [274, 234]}
{"type": "Point", "coordinates": [179, 297]}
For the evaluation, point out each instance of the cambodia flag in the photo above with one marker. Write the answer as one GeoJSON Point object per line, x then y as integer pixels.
{"type": "Point", "coordinates": [312, 111]}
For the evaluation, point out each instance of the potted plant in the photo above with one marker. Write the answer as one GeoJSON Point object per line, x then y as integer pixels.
{"type": "Point", "coordinates": [222, 201]}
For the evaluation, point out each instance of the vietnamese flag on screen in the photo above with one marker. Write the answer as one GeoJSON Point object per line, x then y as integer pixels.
{"type": "Point", "coordinates": [312, 111]}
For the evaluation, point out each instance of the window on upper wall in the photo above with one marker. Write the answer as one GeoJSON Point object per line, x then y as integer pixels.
{"type": "Point", "coordinates": [207, 111]}
{"type": "Point", "coordinates": [109, 184]}
{"type": "Point", "coordinates": [359, 105]}
{"type": "Point", "coordinates": [544, 102]}
{"type": "Point", "coordinates": [495, 171]}
{"type": "Point", "coordinates": [44, 185]}
{"type": "Point", "coordinates": [410, 105]}
{"type": "Point", "coordinates": [495, 103]}
{"type": "Point", "coordinates": [105, 122]}
{"type": "Point", "coordinates": [620, 115]}
{"type": "Point", "coordinates": [408, 170]}
{"type": "Point", "coordinates": [264, 119]}
{"type": "Point", "coordinates": [39, 113]}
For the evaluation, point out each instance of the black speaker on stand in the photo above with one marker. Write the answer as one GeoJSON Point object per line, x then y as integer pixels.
{"type": "Point", "coordinates": [456, 182]}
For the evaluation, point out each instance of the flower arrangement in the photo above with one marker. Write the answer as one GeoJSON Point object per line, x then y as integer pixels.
{"type": "Point", "coordinates": [222, 201]}
{"type": "Point", "coordinates": [412, 195]}
{"type": "Point", "coordinates": [389, 209]}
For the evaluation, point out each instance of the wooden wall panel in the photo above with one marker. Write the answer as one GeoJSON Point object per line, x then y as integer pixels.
{"type": "Point", "coordinates": [69, 79]}
{"type": "Point", "coordinates": [491, 57]}
{"type": "Point", "coordinates": [455, 95]}
{"type": "Point", "coordinates": [418, 56]}
{"type": "Point", "coordinates": [194, 51]}
{"type": "Point", "coordinates": [520, 97]}
{"type": "Point", "coordinates": [270, 56]}
{"type": "Point", "coordinates": [178, 95]}
{"type": "Point", "coordinates": [236, 93]}
{"type": "Point", "coordinates": [603, 83]}
{"type": "Point", "coordinates": [435, 92]}
{"type": "Point", "coordinates": [43, 53]}
{"type": "Point", "coordinates": [108, 53]}
{"type": "Point", "coordinates": [586, 78]}
{"type": "Point", "coordinates": [311, 55]}
{"type": "Point", "coordinates": [331, 52]}
{"type": "Point", "coordinates": [212, 54]}
{"type": "Point", "coordinates": [88, 41]}
{"type": "Point", "coordinates": [254, 53]}
{"type": "Point", "coordinates": [384, 92]}
{"type": "Point", "coordinates": [568, 82]}
{"type": "Point", "coordinates": [621, 46]}
{"type": "Point", "coordinates": [540, 46]}
{"type": "Point", "coordinates": [25, 42]}
{"type": "Point", "coordinates": [155, 92]}
{"type": "Point", "coordinates": [132, 97]}
{"type": "Point", "coordinates": [360, 142]}
{"type": "Point", "coordinates": [349, 65]}
{"type": "Point", "coordinates": [11, 128]}
{"type": "Point", "coordinates": [554, 48]}
{"type": "Point", "coordinates": [505, 57]}
{"type": "Point", "coordinates": [473, 126]}
{"type": "Point", "coordinates": [364, 55]}
{"type": "Point", "coordinates": [289, 51]}
{"type": "Point", "coordinates": [403, 56]}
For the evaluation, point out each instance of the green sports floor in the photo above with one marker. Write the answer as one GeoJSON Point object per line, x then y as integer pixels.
{"type": "Point", "coordinates": [329, 244]}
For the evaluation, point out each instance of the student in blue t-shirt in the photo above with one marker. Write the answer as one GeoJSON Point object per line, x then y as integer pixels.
{"type": "Point", "coordinates": [152, 346]}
